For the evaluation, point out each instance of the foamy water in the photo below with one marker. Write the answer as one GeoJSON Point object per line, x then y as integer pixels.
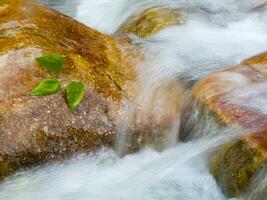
{"type": "Point", "coordinates": [178, 173]}
{"type": "Point", "coordinates": [214, 34]}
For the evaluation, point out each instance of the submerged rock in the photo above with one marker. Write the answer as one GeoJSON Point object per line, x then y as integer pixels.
{"type": "Point", "coordinates": [35, 130]}
{"type": "Point", "coordinates": [150, 21]}
{"type": "Point", "coordinates": [153, 118]}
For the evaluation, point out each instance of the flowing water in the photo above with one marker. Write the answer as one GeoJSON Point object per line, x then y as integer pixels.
{"type": "Point", "coordinates": [214, 34]}
{"type": "Point", "coordinates": [177, 173]}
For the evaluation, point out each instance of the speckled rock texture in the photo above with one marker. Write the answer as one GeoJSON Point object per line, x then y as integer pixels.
{"type": "Point", "coordinates": [35, 130]}
{"type": "Point", "coordinates": [236, 164]}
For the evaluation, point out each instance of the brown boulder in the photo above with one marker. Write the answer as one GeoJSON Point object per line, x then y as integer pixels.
{"type": "Point", "coordinates": [36, 130]}
{"type": "Point", "coordinates": [154, 118]}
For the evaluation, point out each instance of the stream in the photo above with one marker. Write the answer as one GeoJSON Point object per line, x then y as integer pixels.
{"type": "Point", "coordinates": [214, 34]}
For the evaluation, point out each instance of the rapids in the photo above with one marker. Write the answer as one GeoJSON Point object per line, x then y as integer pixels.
{"type": "Point", "coordinates": [215, 33]}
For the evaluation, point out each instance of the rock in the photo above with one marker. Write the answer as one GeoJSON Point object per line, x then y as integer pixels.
{"type": "Point", "coordinates": [228, 96]}
{"type": "Point", "coordinates": [150, 21]}
{"type": "Point", "coordinates": [38, 130]}
{"type": "Point", "coordinates": [236, 164]}
{"type": "Point", "coordinates": [35, 130]}
{"type": "Point", "coordinates": [236, 96]}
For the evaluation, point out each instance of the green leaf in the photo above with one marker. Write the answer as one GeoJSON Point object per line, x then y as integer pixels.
{"type": "Point", "coordinates": [46, 87]}
{"type": "Point", "coordinates": [75, 94]}
{"type": "Point", "coordinates": [52, 62]}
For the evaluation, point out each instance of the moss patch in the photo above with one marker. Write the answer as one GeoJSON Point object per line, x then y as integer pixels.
{"type": "Point", "coordinates": [234, 166]}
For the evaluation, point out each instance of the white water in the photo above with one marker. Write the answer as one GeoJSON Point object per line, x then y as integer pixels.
{"type": "Point", "coordinates": [178, 173]}
{"type": "Point", "coordinates": [215, 33]}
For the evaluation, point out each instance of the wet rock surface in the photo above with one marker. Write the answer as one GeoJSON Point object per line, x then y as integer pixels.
{"type": "Point", "coordinates": [35, 130]}
{"type": "Point", "coordinates": [38, 130]}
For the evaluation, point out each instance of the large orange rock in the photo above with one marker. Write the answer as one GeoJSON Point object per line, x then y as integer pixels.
{"type": "Point", "coordinates": [232, 96]}
{"type": "Point", "coordinates": [35, 130]}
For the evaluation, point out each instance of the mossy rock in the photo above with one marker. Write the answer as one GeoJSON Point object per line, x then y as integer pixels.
{"type": "Point", "coordinates": [151, 21]}
{"type": "Point", "coordinates": [235, 165]}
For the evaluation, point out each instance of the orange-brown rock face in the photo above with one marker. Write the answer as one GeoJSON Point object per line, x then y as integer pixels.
{"type": "Point", "coordinates": [232, 95]}
{"type": "Point", "coordinates": [34, 130]}
{"type": "Point", "coordinates": [238, 95]}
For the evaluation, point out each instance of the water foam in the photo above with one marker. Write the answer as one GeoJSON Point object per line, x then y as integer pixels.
{"type": "Point", "coordinates": [178, 173]}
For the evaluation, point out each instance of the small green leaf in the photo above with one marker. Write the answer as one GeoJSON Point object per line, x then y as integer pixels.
{"type": "Point", "coordinates": [75, 94]}
{"type": "Point", "coordinates": [46, 87]}
{"type": "Point", "coordinates": [52, 62]}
